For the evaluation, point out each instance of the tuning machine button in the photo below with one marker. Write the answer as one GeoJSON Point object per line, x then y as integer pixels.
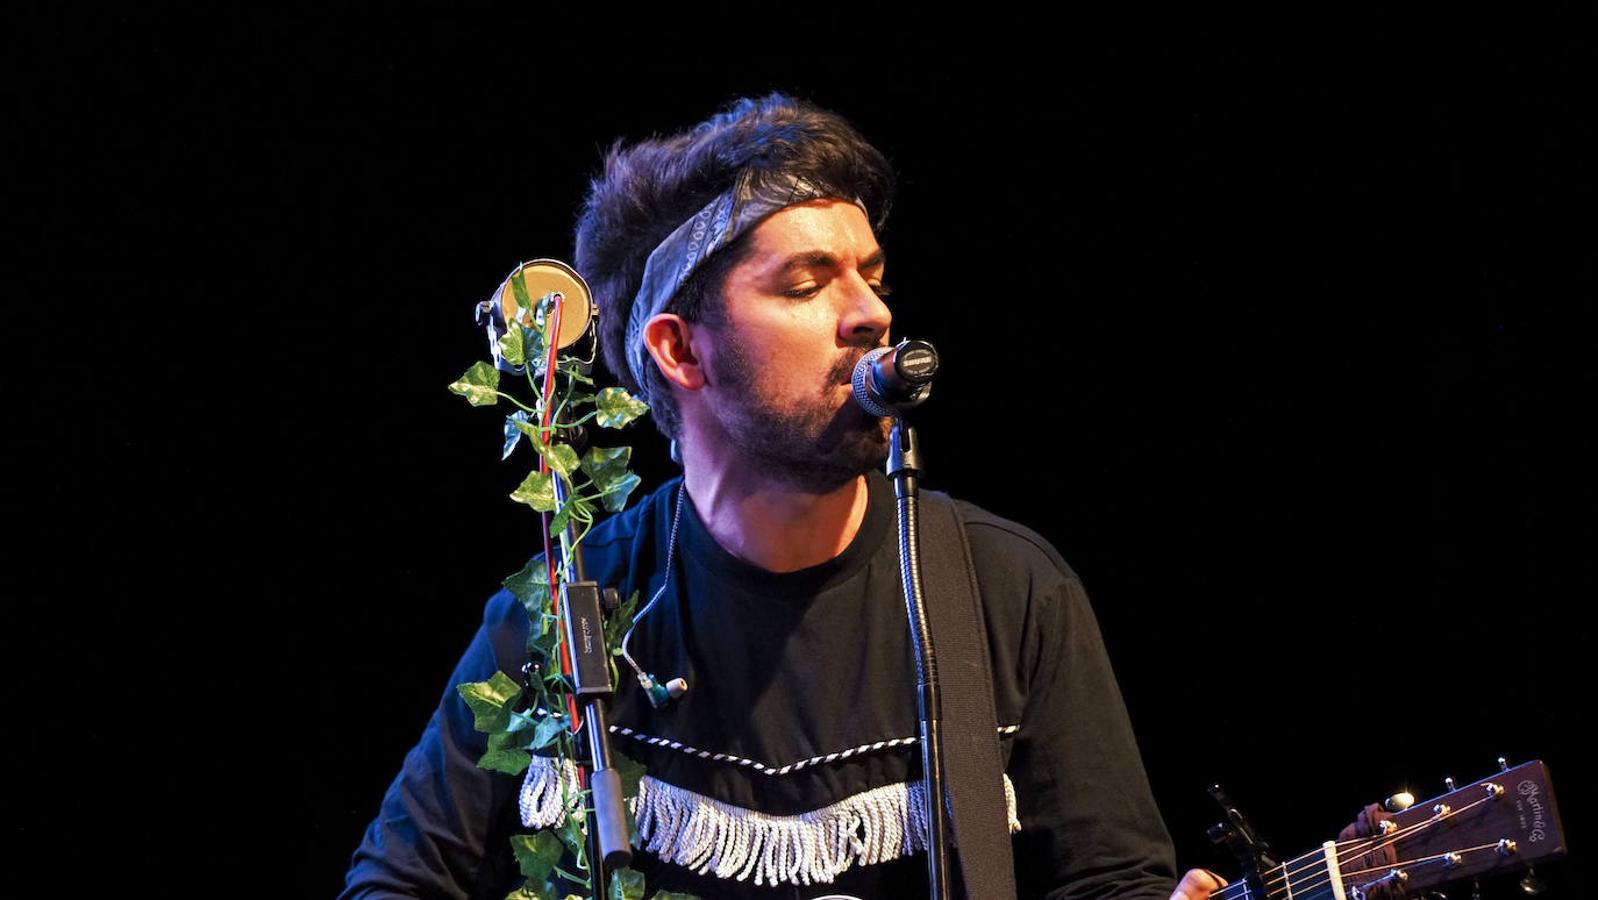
{"type": "Point", "coordinates": [1399, 802]}
{"type": "Point", "coordinates": [1448, 782]}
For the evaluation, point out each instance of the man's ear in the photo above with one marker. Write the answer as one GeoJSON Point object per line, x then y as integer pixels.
{"type": "Point", "coordinates": [669, 339]}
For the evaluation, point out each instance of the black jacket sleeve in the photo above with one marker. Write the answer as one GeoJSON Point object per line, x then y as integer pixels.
{"type": "Point", "coordinates": [1089, 824]}
{"type": "Point", "coordinates": [444, 826]}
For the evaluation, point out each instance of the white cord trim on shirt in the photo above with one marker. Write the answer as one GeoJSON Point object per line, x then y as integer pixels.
{"type": "Point", "coordinates": [775, 770]}
{"type": "Point", "coordinates": [543, 789]}
{"type": "Point", "coordinates": [712, 837]}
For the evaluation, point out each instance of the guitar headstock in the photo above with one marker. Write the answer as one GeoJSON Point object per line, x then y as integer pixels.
{"type": "Point", "coordinates": [1501, 823]}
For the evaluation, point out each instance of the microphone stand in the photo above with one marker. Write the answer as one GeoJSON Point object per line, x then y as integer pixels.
{"type": "Point", "coordinates": [904, 467]}
{"type": "Point", "coordinates": [586, 661]}
{"type": "Point", "coordinates": [581, 617]}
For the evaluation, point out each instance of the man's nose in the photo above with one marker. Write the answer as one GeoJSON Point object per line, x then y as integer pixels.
{"type": "Point", "coordinates": [866, 318]}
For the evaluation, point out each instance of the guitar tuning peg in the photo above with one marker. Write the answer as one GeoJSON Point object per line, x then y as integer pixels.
{"type": "Point", "coordinates": [1503, 765]}
{"type": "Point", "coordinates": [1532, 884]}
{"type": "Point", "coordinates": [1399, 802]}
{"type": "Point", "coordinates": [1448, 782]}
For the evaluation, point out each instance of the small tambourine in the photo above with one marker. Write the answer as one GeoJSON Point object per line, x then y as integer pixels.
{"type": "Point", "coordinates": [537, 279]}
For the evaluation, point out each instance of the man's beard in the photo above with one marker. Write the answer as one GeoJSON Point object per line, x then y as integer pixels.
{"type": "Point", "coordinates": [818, 446]}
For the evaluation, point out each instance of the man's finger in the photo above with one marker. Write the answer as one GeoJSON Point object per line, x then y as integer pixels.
{"type": "Point", "coordinates": [1198, 884]}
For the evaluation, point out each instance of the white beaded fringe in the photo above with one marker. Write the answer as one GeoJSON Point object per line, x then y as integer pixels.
{"type": "Point", "coordinates": [542, 791]}
{"type": "Point", "coordinates": [709, 836]}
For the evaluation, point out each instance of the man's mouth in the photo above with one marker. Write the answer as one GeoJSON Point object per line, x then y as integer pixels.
{"type": "Point", "coordinates": [843, 371]}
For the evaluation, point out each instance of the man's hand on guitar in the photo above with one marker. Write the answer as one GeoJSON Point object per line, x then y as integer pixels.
{"type": "Point", "coordinates": [1198, 884]}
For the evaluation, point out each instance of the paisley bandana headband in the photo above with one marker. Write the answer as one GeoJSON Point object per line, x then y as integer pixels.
{"type": "Point", "coordinates": [722, 221]}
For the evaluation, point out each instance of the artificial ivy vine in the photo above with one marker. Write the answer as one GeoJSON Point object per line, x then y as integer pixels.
{"type": "Point", "coordinates": [523, 719]}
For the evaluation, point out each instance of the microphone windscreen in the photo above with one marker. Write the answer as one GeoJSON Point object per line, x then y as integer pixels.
{"type": "Point", "coordinates": [865, 387]}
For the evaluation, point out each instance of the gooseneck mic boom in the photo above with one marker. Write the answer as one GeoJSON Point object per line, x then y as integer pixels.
{"type": "Point", "coordinates": [888, 380]}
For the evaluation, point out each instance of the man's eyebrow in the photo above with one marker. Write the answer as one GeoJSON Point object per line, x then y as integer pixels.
{"type": "Point", "coordinates": [825, 260]}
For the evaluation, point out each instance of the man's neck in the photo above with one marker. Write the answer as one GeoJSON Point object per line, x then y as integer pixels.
{"type": "Point", "coordinates": [773, 526]}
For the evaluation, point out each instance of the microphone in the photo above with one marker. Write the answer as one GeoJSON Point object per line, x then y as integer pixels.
{"type": "Point", "coordinates": [889, 380]}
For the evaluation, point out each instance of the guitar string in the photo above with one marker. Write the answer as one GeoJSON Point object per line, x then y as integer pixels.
{"type": "Point", "coordinates": [1379, 842]}
{"type": "Point", "coordinates": [1420, 860]}
{"type": "Point", "coordinates": [1320, 869]}
{"type": "Point", "coordinates": [1323, 872]}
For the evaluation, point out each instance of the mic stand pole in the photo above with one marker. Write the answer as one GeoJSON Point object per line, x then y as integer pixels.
{"type": "Point", "coordinates": [904, 467]}
{"type": "Point", "coordinates": [581, 617]}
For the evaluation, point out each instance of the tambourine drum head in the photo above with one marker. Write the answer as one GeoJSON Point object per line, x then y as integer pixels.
{"type": "Point", "coordinates": [540, 277]}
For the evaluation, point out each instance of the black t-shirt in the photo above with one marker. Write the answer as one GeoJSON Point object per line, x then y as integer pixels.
{"type": "Point", "coordinates": [801, 708]}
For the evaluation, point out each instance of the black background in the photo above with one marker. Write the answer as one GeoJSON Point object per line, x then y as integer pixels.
{"type": "Point", "coordinates": [1281, 329]}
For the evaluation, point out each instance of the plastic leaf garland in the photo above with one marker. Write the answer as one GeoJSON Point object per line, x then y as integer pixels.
{"type": "Point", "coordinates": [526, 719]}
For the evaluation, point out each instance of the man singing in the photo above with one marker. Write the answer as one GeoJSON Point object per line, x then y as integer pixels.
{"type": "Point", "coordinates": [739, 280]}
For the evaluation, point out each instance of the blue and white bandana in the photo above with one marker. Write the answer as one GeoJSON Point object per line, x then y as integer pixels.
{"type": "Point", "coordinates": [722, 221]}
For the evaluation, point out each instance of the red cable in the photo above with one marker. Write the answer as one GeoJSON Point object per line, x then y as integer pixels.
{"type": "Point", "coordinates": [545, 433]}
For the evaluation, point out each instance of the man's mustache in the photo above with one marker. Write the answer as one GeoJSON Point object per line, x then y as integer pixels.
{"type": "Point", "coordinates": [843, 370]}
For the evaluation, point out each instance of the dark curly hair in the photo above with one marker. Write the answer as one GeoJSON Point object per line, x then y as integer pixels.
{"type": "Point", "coordinates": [648, 189]}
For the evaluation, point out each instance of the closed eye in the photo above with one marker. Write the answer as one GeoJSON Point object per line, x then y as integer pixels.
{"type": "Point", "coordinates": [881, 290]}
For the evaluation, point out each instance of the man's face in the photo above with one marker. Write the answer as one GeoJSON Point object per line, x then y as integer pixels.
{"type": "Point", "coordinates": [799, 311]}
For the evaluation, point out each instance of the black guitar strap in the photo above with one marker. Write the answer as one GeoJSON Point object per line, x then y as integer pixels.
{"type": "Point", "coordinates": [973, 766]}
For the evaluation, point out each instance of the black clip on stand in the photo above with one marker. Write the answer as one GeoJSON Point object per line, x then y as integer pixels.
{"type": "Point", "coordinates": [1236, 834]}
{"type": "Point", "coordinates": [891, 389]}
{"type": "Point", "coordinates": [581, 605]}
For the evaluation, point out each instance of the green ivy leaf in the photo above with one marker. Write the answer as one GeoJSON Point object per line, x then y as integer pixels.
{"type": "Point", "coordinates": [511, 738]}
{"type": "Point", "coordinates": [532, 339]}
{"type": "Point", "coordinates": [490, 701]}
{"type": "Point", "coordinates": [478, 384]}
{"type": "Point", "coordinates": [531, 587]}
{"type": "Point", "coordinates": [536, 491]}
{"type": "Point", "coordinates": [572, 835]}
{"type": "Point", "coordinates": [617, 623]}
{"type": "Point", "coordinates": [544, 642]}
{"type": "Point", "coordinates": [574, 371]}
{"type": "Point", "coordinates": [537, 854]}
{"type": "Point", "coordinates": [615, 498]}
{"type": "Point", "coordinates": [516, 425]}
{"type": "Point", "coordinates": [606, 465]}
{"type": "Point", "coordinates": [518, 290]}
{"type": "Point", "coordinates": [626, 884]}
{"type": "Point", "coordinates": [511, 347]}
{"type": "Point", "coordinates": [673, 895]}
{"type": "Point", "coordinates": [562, 458]}
{"type": "Point", "coordinates": [548, 731]}
{"type": "Point", "coordinates": [630, 770]}
{"type": "Point", "coordinates": [558, 523]}
{"type": "Point", "coordinates": [510, 762]}
{"type": "Point", "coordinates": [617, 407]}
{"type": "Point", "coordinates": [519, 724]}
